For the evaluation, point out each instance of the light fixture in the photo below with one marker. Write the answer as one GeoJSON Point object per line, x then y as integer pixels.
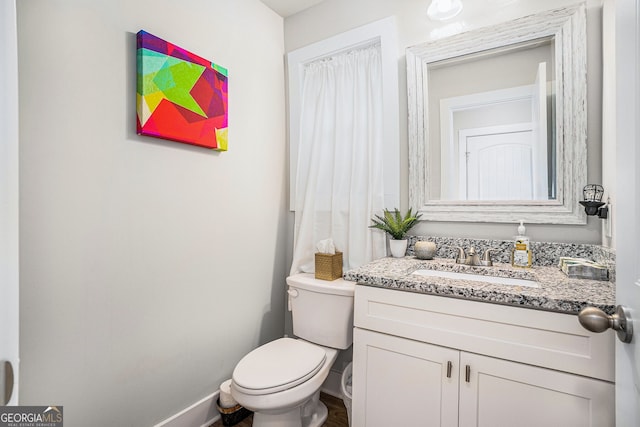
{"type": "Point", "coordinates": [593, 204]}
{"type": "Point", "coordinates": [441, 10]}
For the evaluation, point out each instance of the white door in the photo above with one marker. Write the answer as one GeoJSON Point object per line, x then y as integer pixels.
{"type": "Point", "coordinates": [628, 206]}
{"type": "Point", "coordinates": [496, 163]}
{"type": "Point", "coordinates": [539, 122]}
{"type": "Point", "coordinates": [8, 204]}
{"type": "Point", "coordinates": [501, 393]}
{"type": "Point", "coordinates": [402, 382]}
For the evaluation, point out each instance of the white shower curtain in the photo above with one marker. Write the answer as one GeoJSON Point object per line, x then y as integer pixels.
{"type": "Point", "coordinates": [339, 182]}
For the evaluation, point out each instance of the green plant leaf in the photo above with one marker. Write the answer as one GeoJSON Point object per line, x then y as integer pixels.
{"type": "Point", "coordinates": [394, 223]}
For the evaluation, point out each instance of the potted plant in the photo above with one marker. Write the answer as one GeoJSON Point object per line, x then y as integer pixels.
{"type": "Point", "coordinates": [396, 225]}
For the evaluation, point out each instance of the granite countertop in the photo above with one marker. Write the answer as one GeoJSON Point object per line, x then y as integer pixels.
{"type": "Point", "coordinates": [556, 293]}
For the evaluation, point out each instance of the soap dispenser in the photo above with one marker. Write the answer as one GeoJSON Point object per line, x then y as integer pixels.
{"type": "Point", "coordinates": [521, 253]}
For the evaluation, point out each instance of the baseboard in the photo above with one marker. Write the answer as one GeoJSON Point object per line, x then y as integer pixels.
{"type": "Point", "coordinates": [202, 414]}
{"type": "Point", "coordinates": [332, 384]}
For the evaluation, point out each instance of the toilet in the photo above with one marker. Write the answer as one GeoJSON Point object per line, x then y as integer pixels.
{"type": "Point", "coordinates": [280, 381]}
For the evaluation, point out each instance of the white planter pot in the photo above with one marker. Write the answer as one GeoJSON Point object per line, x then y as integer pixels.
{"type": "Point", "coordinates": [398, 247]}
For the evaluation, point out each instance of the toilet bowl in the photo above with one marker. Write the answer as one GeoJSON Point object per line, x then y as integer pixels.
{"type": "Point", "coordinates": [280, 381]}
{"type": "Point", "coordinates": [277, 379]}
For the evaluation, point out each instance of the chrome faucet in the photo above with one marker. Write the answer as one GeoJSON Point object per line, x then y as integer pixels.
{"type": "Point", "coordinates": [472, 258]}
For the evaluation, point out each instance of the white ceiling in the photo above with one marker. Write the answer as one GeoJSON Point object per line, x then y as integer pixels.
{"type": "Point", "coordinates": [286, 8]}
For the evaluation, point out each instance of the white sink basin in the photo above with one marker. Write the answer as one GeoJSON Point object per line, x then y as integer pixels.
{"type": "Point", "coordinates": [508, 281]}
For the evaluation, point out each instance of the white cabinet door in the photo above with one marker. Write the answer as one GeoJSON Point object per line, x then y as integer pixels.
{"type": "Point", "coordinates": [500, 393]}
{"type": "Point", "coordinates": [401, 382]}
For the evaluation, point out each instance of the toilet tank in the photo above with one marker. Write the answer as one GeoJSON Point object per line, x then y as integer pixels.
{"type": "Point", "coordinates": [322, 310]}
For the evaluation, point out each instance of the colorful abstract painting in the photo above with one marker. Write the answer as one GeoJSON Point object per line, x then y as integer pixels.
{"type": "Point", "coordinates": [181, 96]}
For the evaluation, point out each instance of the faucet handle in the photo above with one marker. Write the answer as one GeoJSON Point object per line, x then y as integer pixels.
{"type": "Point", "coordinates": [462, 257]}
{"type": "Point", "coordinates": [486, 257]}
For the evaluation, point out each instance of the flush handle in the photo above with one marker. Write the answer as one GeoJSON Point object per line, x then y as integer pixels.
{"type": "Point", "coordinates": [8, 382]}
{"type": "Point", "coordinates": [596, 320]}
{"type": "Point", "coordinates": [293, 293]}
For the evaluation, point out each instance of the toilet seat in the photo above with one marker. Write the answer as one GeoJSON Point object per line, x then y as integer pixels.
{"type": "Point", "coordinates": [278, 365]}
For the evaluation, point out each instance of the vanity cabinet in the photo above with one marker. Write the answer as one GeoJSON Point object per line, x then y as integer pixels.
{"type": "Point", "coordinates": [423, 360]}
{"type": "Point", "coordinates": [401, 382]}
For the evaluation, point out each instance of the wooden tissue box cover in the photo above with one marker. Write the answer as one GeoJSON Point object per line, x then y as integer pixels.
{"type": "Point", "coordinates": [329, 267]}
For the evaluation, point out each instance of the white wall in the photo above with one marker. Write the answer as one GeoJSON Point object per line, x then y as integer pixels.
{"type": "Point", "coordinates": [335, 16]}
{"type": "Point", "coordinates": [148, 267]}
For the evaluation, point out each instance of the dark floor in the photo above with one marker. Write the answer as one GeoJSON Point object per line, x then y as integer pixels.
{"type": "Point", "coordinates": [337, 414]}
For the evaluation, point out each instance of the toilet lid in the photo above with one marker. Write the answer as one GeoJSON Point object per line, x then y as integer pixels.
{"type": "Point", "coordinates": [277, 366]}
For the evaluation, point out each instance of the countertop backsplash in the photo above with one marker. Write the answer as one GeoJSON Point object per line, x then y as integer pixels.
{"type": "Point", "coordinates": [544, 253]}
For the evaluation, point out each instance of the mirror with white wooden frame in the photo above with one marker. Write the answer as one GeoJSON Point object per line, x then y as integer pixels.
{"type": "Point", "coordinates": [497, 121]}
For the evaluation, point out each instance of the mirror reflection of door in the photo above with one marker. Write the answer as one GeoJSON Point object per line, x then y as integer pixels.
{"type": "Point", "coordinates": [510, 85]}
{"type": "Point", "coordinates": [501, 161]}
{"type": "Point", "coordinates": [497, 163]}
{"type": "Point", "coordinates": [543, 187]}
